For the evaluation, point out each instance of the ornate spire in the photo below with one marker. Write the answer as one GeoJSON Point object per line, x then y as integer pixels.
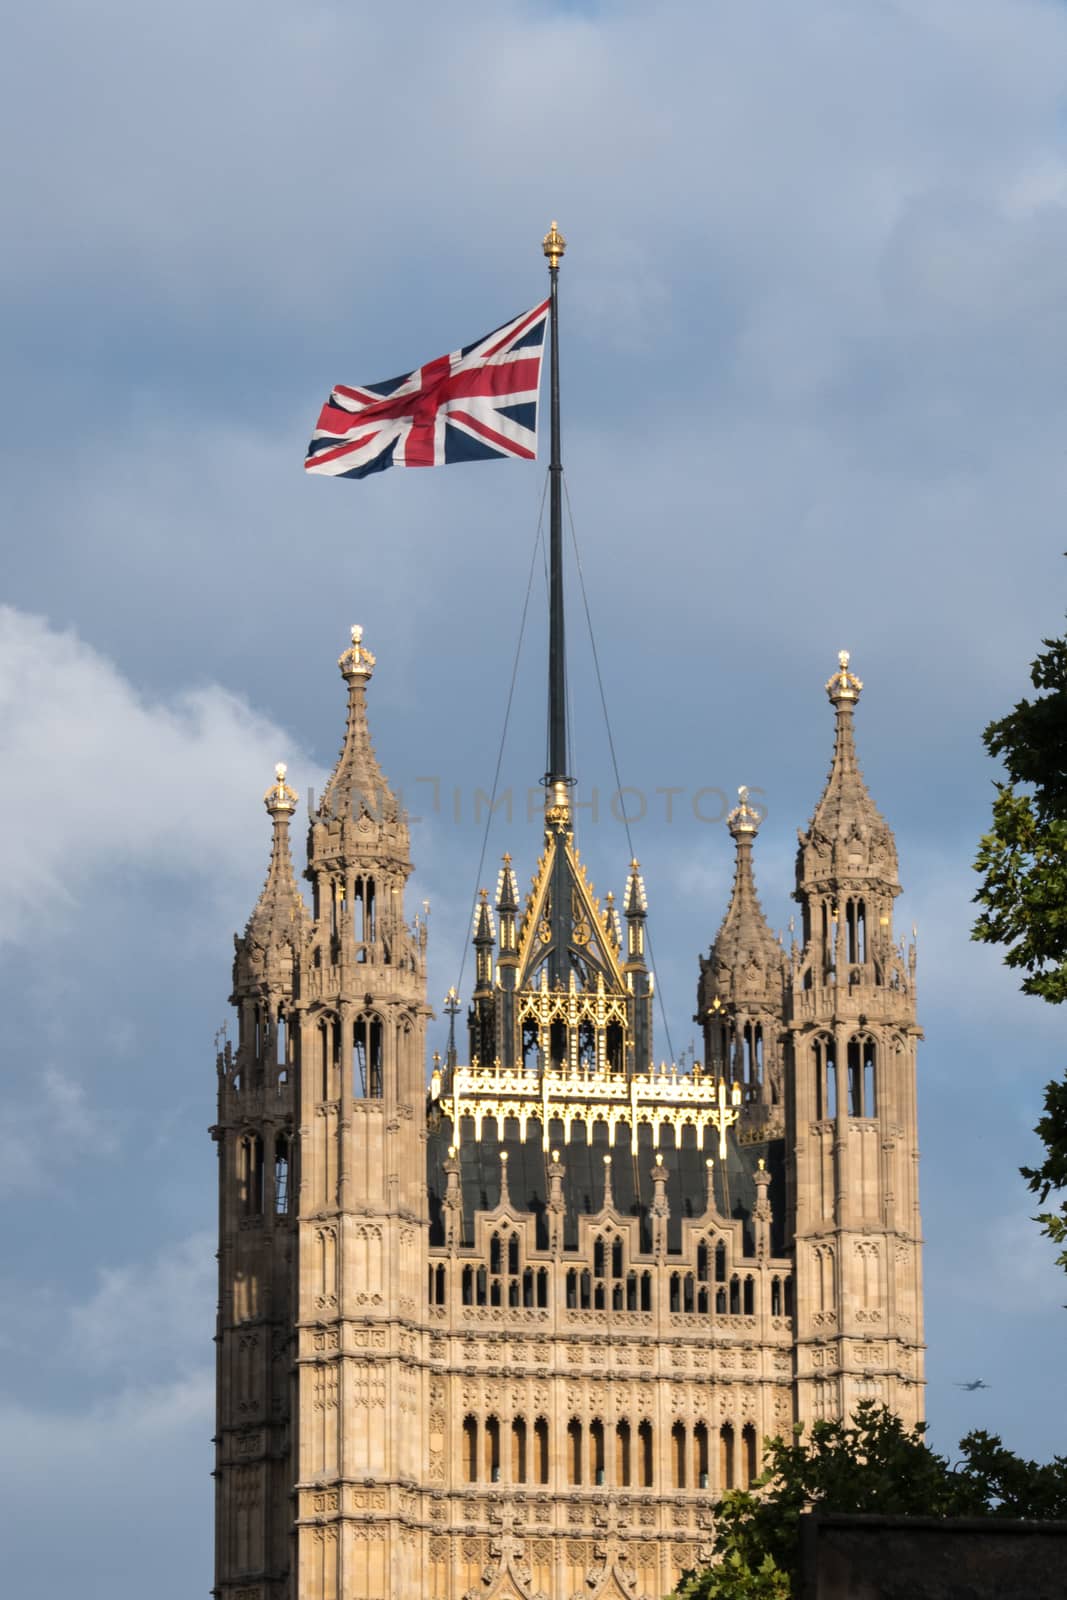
{"type": "Point", "coordinates": [609, 1195]}
{"type": "Point", "coordinates": [611, 921]}
{"type": "Point", "coordinates": [280, 914]}
{"type": "Point", "coordinates": [847, 835]}
{"type": "Point", "coordinates": [507, 889]}
{"type": "Point", "coordinates": [746, 960]}
{"type": "Point", "coordinates": [357, 786]}
{"type": "Point", "coordinates": [484, 933]}
{"type": "Point", "coordinates": [635, 901]}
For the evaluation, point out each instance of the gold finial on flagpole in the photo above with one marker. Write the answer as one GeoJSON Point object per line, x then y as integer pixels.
{"type": "Point", "coordinates": [554, 245]}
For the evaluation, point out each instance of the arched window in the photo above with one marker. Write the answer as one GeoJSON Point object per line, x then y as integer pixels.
{"type": "Point", "coordinates": [531, 1046]}
{"type": "Point", "coordinates": [596, 1451]}
{"type": "Point", "coordinates": [494, 1253]}
{"type": "Point", "coordinates": [281, 1175]}
{"type": "Point", "coordinates": [616, 1259]}
{"type": "Point", "coordinates": [720, 1262]}
{"type": "Point", "coordinates": [542, 1287]}
{"type": "Point", "coordinates": [700, 1455]}
{"type": "Point", "coordinates": [678, 1454]}
{"type": "Point", "coordinates": [748, 1454]}
{"type": "Point", "coordinates": [441, 1283]}
{"type": "Point", "coordinates": [598, 1258]}
{"type": "Point", "coordinates": [787, 1296]}
{"type": "Point", "coordinates": [862, 1086]}
{"type": "Point", "coordinates": [646, 1291]}
{"type": "Point", "coordinates": [513, 1253]}
{"type": "Point", "coordinates": [541, 1449]}
{"type": "Point", "coordinates": [735, 1295]}
{"type": "Point", "coordinates": [572, 1290]}
{"type": "Point", "coordinates": [776, 1297]}
{"type": "Point", "coordinates": [622, 1455]}
{"type": "Point", "coordinates": [825, 1078]}
{"type": "Point", "coordinates": [856, 925]}
{"type": "Point", "coordinates": [528, 1288]}
{"type": "Point", "coordinates": [574, 1451]}
{"type": "Point", "coordinates": [470, 1448]}
{"type": "Point", "coordinates": [631, 1291]}
{"type": "Point", "coordinates": [367, 1058]}
{"type": "Point", "coordinates": [587, 1046]}
{"type": "Point", "coordinates": [251, 1174]}
{"type": "Point", "coordinates": [687, 1292]}
{"type": "Point", "coordinates": [644, 1450]}
{"type": "Point", "coordinates": [749, 1296]}
{"type": "Point", "coordinates": [702, 1262]}
{"type": "Point", "coordinates": [752, 1043]}
{"type": "Point", "coordinates": [492, 1450]}
{"type": "Point", "coordinates": [518, 1450]}
{"type": "Point", "coordinates": [613, 1046]}
{"type": "Point", "coordinates": [726, 1457]}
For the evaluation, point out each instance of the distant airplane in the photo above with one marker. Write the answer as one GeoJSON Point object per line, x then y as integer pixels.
{"type": "Point", "coordinates": [979, 1383]}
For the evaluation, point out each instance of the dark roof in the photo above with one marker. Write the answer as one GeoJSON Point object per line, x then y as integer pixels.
{"type": "Point", "coordinates": [631, 1177]}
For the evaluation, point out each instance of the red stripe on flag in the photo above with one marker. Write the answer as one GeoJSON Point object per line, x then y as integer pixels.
{"type": "Point", "coordinates": [515, 333]}
{"type": "Point", "coordinates": [341, 450]}
{"type": "Point", "coordinates": [491, 434]}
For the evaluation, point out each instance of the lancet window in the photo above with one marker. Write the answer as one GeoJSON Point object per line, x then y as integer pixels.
{"type": "Point", "coordinates": [367, 1077]}
{"type": "Point", "coordinates": [250, 1167]}
{"type": "Point", "coordinates": [862, 1088]}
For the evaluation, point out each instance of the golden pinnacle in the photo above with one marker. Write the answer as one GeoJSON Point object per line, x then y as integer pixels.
{"type": "Point", "coordinates": [554, 245]}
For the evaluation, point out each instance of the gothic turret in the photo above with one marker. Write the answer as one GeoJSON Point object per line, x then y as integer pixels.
{"type": "Point", "coordinates": [847, 866]}
{"type": "Point", "coordinates": [361, 1215]}
{"type": "Point", "coordinates": [255, 1133]}
{"type": "Point", "coordinates": [740, 994]}
{"type": "Point", "coordinates": [482, 1018]}
{"type": "Point", "coordinates": [278, 925]}
{"type": "Point", "coordinates": [851, 1133]}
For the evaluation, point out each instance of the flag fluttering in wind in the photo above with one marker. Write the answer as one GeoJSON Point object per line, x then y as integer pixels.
{"type": "Point", "coordinates": [477, 404]}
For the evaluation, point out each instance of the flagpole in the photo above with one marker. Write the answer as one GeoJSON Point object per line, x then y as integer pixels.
{"type": "Point", "coordinates": [557, 779]}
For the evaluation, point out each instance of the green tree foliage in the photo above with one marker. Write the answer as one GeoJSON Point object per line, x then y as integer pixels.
{"type": "Point", "coordinates": [1023, 862]}
{"type": "Point", "coordinates": [873, 1464]}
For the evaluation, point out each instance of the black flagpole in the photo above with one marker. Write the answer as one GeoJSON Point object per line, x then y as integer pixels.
{"type": "Point", "coordinates": [556, 778]}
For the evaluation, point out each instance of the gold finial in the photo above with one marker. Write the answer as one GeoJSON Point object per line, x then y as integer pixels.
{"type": "Point", "coordinates": [279, 799]}
{"type": "Point", "coordinates": [451, 1152]}
{"type": "Point", "coordinates": [659, 1158]}
{"type": "Point", "coordinates": [357, 662]}
{"type": "Point", "coordinates": [555, 1155]}
{"type": "Point", "coordinates": [743, 819]}
{"type": "Point", "coordinates": [504, 1157]}
{"type": "Point", "coordinates": [607, 1161]}
{"type": "Point", "coordinates": [844, 686]}
{"type": "Point", "coordinates": [554, 244]}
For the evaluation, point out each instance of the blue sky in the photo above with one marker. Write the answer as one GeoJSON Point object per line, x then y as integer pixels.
{"type": "Point", "coordinates": [814, 335]}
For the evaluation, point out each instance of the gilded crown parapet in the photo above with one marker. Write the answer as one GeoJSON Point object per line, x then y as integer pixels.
{"type": "Point", "coordinates": [844, 687]}
{"type": "Point", "coordinates": [279, 799]}
{"type": "Point", "coordinates": [744, 820]}
{"type": "Point", "coordinates": [357, 662]}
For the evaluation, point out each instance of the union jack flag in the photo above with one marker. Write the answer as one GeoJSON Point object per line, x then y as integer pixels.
{"type": "Point", "coordinates": [476, 404]}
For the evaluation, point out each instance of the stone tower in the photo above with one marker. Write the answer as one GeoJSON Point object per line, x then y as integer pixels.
{"type": "Point", "coordinates": [322, 1267]}
{"type": "Point", "coordinates": [852, 1132]}
{"type": "Point", "coordinates": [741, 994]}
{"type": "Point", "coordinates": [255, 1136]}
{"type": "Point", "coordinates": [509, 1334]}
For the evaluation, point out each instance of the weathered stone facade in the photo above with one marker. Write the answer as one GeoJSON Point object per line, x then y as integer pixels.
{"type": "Point", "coordinates": [511, 1337]}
